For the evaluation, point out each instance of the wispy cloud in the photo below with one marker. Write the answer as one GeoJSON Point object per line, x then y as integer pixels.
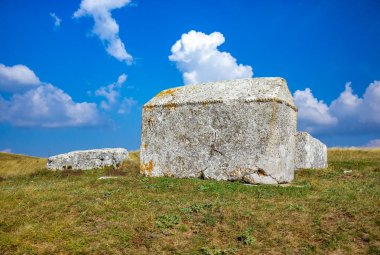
{"type": "Point", "coordinates": [106, 27]}
{"type": "Point", "coordinates": [112, 95]}
{"type": "Point", "coordinates": [57, 20]}
{"type": "Point", "coordinates": [197, 56]}
{"type": "Point", "coordinates": [375, 143]}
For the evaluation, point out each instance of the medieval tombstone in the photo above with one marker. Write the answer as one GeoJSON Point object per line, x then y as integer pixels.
{"type": "Point", "coordinates": [229, 130]}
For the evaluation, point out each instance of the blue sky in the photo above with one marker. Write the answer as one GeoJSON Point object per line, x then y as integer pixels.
{"type": "Point", "coordinates": [59, 88]}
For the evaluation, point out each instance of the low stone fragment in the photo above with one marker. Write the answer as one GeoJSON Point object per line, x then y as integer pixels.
{"type": "Point", "coordinates": [256, 178]}
{"type": "Point", "coordinates": [107, 177]}
{"type": "Point", "coordinates": [88, 159]}
{"type": "Point", "coordinates": [310, 152]}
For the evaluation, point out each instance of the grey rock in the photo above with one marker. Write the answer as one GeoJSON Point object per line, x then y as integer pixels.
{"type": "Point", "coordinates": [88, 159]}
{"type": "Point", "coordinates": [310, 152]}
{"type": "Point", "coordinates": [107, 177]}
{"type": "Point", "coordinates": [256, 178]}
{"type": "Point", "coordinates": [230, 130]}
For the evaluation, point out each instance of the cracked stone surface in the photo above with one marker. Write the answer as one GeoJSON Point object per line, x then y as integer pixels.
{"type": "Point", "coordinates": [230, 130]}
{"type": "Point", "coordinates": [310, 152]}
{"type": "Point", "coordinates": [88, 159]}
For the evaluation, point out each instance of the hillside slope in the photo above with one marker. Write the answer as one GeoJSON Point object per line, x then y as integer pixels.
{"type": "Point", "coordinates": [12, 165]}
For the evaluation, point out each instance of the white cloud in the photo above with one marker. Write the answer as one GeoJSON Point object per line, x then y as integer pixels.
{"type": "Point", "coordinates": [105, 26]}
{"type": "Point", "coordinates": [346, 104]}
{"type": "Point", "coordinates": [197, 56]}
{"type": "Point", "coordinates": [312, 114]}
{"type": "Point", "coordinates": [57, 20]}
{"type": "Point", "coordinates": [42, 105]}
{"type": "Point", "coordinates": [6, 150]}
{"type": "Point", "coordinates": [347, 114]}
{"type": "Point", "coordinates": [112, 94]}
{"type": "Point", "coordinates": [373, 143]}
{"type": "Point", "coordinates": [122, 78]}
{"type": "Point", "coordinates": [47, 106]}
{"type": "Point", "coordinates": [17, 78]}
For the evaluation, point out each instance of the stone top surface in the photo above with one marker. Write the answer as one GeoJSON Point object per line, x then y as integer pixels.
{"type": "Point", "coordinates": [244, 90]}
{"type": "Point", "coordinates": [95, 151]}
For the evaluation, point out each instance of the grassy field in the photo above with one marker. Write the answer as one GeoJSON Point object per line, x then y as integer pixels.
{"type": "Point", "coordinates": [12, 165]}
{"type": "Point", "coordinates": [332, 211]}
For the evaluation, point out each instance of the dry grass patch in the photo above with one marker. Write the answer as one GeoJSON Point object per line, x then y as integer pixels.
{"type": "Point", "coordinates": [12, 165]}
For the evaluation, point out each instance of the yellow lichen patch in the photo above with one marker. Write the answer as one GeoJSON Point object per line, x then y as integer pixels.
{"type": "Point", "coordinates": [168, 92]}
{"type": "Point", "coordinates": [149, 107]}
{"type": "Point", "coordinates": [204, 103]}
{"type": "Point", "coordinates": [170, 106]}
{"type": "Point", "coordinates": [150, 121]}
{"type": "Point", "coordinates": [144, 145]}
{"type": "Point", "coordinates": [147, 168]}
{"type": "Point", "coordinates": [261, 172]}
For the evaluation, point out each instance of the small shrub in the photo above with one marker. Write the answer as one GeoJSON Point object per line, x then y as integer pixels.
{"type": "Point", "coordinates": [196, 208]}
{"type": "Point", "coordinates": [168, 221]}
{"type": "Point", "coordinates": [246, 237]}
{"type": "Point", "coordinates": [217, 251]}
{"type": "Point", "coordinates": [131, 167]}
{"type": "Point", "coordinates": [107, 194]}
{"type": "Point", "coordinates": [295, 207]}
{"type": "Point", "coordinates": [209, 220]}
{"type": "Point", "coordinates": [203, 188]}
{"type": "Point", "coordinates": [67, 173]}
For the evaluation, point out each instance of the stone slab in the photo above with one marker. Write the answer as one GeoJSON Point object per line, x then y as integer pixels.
{"type": "Point", "coordinates": [88, 159]}
{"type": "Point", "coordinates": [310, 152]}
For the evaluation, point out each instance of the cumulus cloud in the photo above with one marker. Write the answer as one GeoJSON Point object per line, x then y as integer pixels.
{"type": "Point", "coordinates": [375, 143]}
{"type": "Point", "coordinates": [197, 56]}
{"type": "Point", "coordinates": [312, 113]}
{"type": "Point", "coordinates": [348, 114]}
{"type": "Point", "coordinates": [45, 106]}
{"type": "Point", "coordinates": [17, 78]}
{"type": "Point", "coordinates": [106, 27]}
{"type": "Point", "coordinates": [56, 19]}
{"type": "Point", "coordinates": [112, 94]}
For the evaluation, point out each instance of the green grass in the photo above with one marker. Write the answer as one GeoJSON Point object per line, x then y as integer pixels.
{"type": "Point", "coordinates": [324, 212]}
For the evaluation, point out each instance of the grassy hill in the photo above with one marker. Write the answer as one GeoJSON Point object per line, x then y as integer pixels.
{"type": "Point", "coordinates": [12, 165]}
{"type": "Point", "coordinates": [332, 211]}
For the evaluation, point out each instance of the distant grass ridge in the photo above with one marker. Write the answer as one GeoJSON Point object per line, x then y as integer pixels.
{"type": "Point", "coordinates": [13, 165]}
{"type": "Point", "coordinates": [331, 211]}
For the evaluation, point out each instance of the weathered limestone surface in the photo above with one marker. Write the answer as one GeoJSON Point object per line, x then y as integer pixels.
{"type": "Point", "coordinates": [310, 152]}
{"type": "Point", "coordinates": [230, 130]}
{"type": "Point", "coordinates": [88, 159]}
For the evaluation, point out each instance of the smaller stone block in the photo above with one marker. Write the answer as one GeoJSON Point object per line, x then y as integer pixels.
{"type": "Point", "coordinates": [88, 159]}
{"type": "Point", "coordinates": [310, 152]}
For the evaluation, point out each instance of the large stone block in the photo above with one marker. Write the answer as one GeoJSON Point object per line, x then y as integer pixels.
{"type": "Point", "coordinates": [230, 130]}
{"type": "Point", "coordinates": [88, 159]}
{"type": "Point", "coordinates": [310, 152]}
